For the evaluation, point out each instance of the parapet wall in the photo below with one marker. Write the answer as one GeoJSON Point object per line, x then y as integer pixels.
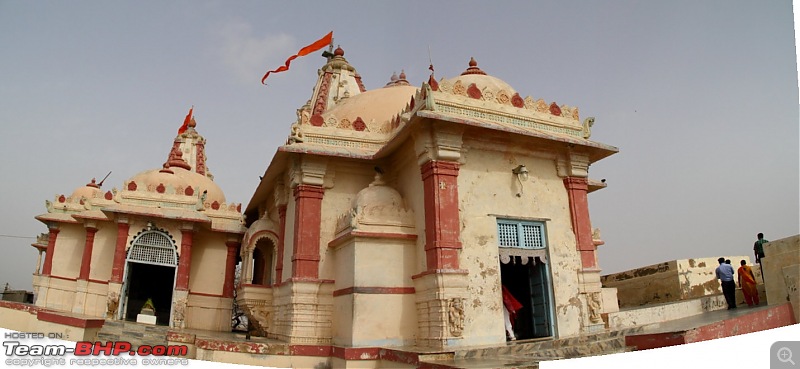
{"type": "Point", "coordinates": [669, 281]}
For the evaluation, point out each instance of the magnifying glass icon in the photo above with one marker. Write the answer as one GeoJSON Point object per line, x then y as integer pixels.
{"type": "Point", "coordinates": [785, 355]}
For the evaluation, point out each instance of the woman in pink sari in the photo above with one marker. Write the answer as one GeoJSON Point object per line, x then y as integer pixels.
{"type": "Point", "coordinates": [747, 281]}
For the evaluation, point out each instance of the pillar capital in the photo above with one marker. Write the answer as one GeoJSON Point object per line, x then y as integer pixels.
{"type": "Point", "coordinates": [442, 141]}
{"type": "Point", "coordinates": [308, 170]}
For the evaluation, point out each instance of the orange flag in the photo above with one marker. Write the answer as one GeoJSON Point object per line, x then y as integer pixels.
{"type": "Point", "coordinates": [324, 41]}
{"type": "Point", "coordinates": [186, 121]}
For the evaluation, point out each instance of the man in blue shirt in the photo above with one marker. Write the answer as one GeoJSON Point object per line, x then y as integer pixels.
{"type": "Point", "coordinates": [725, 275]}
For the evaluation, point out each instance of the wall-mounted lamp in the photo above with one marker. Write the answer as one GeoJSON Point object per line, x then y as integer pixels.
{"type": "Point", "coordinates": [522, 172]}
{"type": "Point", "coordinates": [522, 175]}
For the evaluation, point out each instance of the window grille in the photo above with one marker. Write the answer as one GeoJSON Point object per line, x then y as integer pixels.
{"type": "Point", "coordinates": [153, 247]}
{"type": "Point", "coordinates": [521, 234]}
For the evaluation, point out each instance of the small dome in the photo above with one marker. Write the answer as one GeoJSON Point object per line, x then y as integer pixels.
{"type": "Point", "coordinates": [88, 191]}
{"type": "Point", "coordinates": [378, 194]}
{"type": "Point", "coordinates": [379, 105]}
{"type": "Point", "coordinates": [180, 177]}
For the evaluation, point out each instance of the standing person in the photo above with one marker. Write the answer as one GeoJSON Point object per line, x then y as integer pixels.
{"type": "Point", "coordinates": [747, 282]}
{"type": "Point", "coordinates": [510, 308]}
{"type": "Point", "coordinates": [725, 275]}
{"type": "Point", "coordinates": [758, 249]}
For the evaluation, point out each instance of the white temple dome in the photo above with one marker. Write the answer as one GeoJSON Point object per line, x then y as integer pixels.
{"type": "Point", "coordinates": [378, 194]}
{"type": "Point", "coordinates": [177, 177]}
{"type": "Point", "coordinates": [482, 81]}
{"type": "Point", "coordinates": [378, 105]}
{"type": "Point", "coordinates": [90, 190]}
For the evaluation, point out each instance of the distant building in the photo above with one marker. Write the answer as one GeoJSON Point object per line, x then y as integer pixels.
{"type": "Point", "coordinates": [17, 295]}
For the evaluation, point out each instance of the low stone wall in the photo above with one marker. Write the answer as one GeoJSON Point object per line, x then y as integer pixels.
{"type": "Point", "coordinates": [670, 281]}
{"type": "Point", "coordinates": [659, 313]}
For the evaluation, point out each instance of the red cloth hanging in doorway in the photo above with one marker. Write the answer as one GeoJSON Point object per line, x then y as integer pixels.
{"type": "Point", "coordinates": [511, 304]}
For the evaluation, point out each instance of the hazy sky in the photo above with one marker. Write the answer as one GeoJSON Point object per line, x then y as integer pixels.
{"type": "Point", "coordinates": [701, 97]}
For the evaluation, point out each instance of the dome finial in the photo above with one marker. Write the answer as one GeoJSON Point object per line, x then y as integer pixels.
{"type": "Point", "coordinates": [339, 51]}
{"type": "Point", "coordinates": [473, 68]}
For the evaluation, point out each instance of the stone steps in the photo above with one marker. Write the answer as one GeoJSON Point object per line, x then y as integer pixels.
{"type": "Point", "coordinates": [135, 333]}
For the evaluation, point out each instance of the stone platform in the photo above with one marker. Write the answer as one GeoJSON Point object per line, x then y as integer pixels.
{"type": "Point", "coordinates": [712, 325]}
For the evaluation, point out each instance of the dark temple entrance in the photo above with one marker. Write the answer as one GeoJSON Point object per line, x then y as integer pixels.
{"type": "Point", "coordinates": [151, 281]}
{"type": "Point", "coordinates": [530, 285]}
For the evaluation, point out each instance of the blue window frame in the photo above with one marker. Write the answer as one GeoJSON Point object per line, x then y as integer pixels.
{"type": "Point", "coordinates": [529, 235]}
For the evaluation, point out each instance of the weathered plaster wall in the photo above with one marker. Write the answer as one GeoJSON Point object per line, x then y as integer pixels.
{"type": "Point", "coordinates": [347, 181]}
{"type": "Point", "coordinates": [488, 190]}
{"type": "Point", "coordinates": [68, 250]}
{"type": "Point", "coordinates": [668, 281]}
{"type": "Point", "coordinates": [288, 234]}
{"type": "Point", "coordinates": [103, 251]}
{"type": "Point", "coordinates": [95, 303]}
{"type": "Point", "coordinates": [407, 180]}
{"type": "Point", "coordinates": [59, 295]}
{"type": "Point", "coordinates": [208, 313]}
{"type": "Point", "coordinates": [778, 255]}
{"type": "Point", "coordinates": [207, 271]}
{"type": "Point", "coordinates": [374, 314]}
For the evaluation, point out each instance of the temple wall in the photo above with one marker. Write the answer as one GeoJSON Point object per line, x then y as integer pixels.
{"type": "Point", "coordinates": [208, 312]}
{"type": "Point", "coordinates": [347, 182]}
{"type": "Point", "coordinates": [407, 180]}
{"type": "Point", "coordinates": [59, 294]}
{"type": "Point", "coordinates": [103, 251]}
{"type": "Point", "coordinates": [488, 186]}
{"type": "Point", "coordinates": [96, 299]}
{"type": "Point", "coordinates": [69, 250]}
{"type": "Point", "coordinates": [207, 271]}
{"type": "Point", "coordinates": [288, 233]}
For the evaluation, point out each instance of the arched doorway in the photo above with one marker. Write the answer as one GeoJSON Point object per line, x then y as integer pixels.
{"type": "Point", "coordinates": [149, 274]}
{"type": "Point", "coordinates": [262, 262]}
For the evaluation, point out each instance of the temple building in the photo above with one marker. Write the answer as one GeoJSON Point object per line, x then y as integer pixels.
{"type": "Point", "coordinates": [168, 236]}
{"type": "Point", "coordinates": [392, 217]}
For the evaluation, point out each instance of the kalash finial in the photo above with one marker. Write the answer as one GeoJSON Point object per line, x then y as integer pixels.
{"type": "Point", "coordinates": [473, 68]}
{"type": "Point", "coordinates": [339, 51]}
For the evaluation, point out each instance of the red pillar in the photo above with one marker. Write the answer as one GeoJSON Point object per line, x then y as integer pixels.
{"type": "Point", "coordinates": [577, 190]}
{"type": "Point", "coordinates": [230, 268]}
{"type": "Point", "coordinates": [185, 261]}
{"type": "Point", "coordinates": [119, 252]}
{"type": "Point", "coordinates": [51, 248]}
{"type": "Point", "coordinates": [307, 218]}
{"type": "Point", "coordinates": [281, 237]}
{"type": "Point", "coordinates": [442, 225]}
{"type": "Point", "coordinates": [87, 253]}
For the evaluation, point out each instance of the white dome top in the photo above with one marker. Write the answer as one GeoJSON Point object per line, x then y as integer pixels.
{"type": "Point", "coordinates": [179, 177]}
{"type": "Point", "coordinates": [378, 194]}
{"type": "Point", "coordinates": [377, 105]}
